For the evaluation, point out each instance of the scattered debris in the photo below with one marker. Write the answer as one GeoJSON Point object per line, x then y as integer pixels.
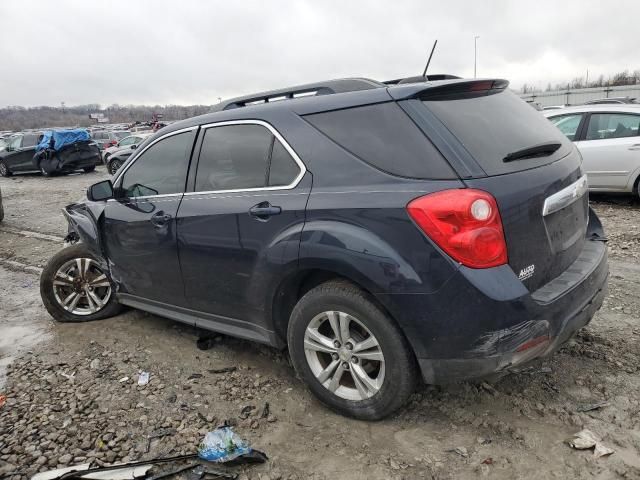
{"type": "Point", "coordinates": [123, 379]}
{"type": "Point", "coordinates": [223, 370]}
{"type": "Point", "coordinates": [489, 388]}
{"type": "Point", "coordinates": [591, 406]}
{"type": "Point", "coordinates": [143, 378]}
{"type": "Point", "coordinates": [194, 375]}
{"type": "Point", "coordinates": [95, 364]}
{"type": "Point", "coordinates": [246, 411]}
{"type": "Point", "coordinates": [483, 440]}
{"type": "Point", "coordinates": [222, 445]}
{"type": "Point", "coordinates": [3, 400]}
{"type": "Point", "coordinates": [462, 451]}
{"type": "Point", "coordinates": [487, 461]}
{"type": "Point", "coordinates": [586, 439]}
{"type": "Point", "coordinates": [161, 432]}
{"type": "Point", "coordinates": [265, 410]}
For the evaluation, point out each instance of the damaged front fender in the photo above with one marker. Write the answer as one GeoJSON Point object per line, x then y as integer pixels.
{"type": "Point", "coordinates": [83, 219]}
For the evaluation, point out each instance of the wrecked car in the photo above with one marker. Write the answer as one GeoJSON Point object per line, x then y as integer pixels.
{"type": "Point", "coordinates": [50, 152]}
{"type": "Point", "coordinates": [381, 233]}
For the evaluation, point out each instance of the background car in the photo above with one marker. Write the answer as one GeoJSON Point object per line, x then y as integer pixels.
{"type": "Point", "coordinates": [608, 137]}
{"type": "Point", "coordinates": [613, 100]}
{"type": "Point", "coordinates": [18, 153]}
{"type": "Point", "coordinates": [22, 154]}
{"type": "Point", "coordinates": [105, 138]}
{"type": "Point", "coordinates": [126, 142]}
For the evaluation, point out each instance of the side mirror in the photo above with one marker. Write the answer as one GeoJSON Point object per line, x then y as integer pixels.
{"type": "Point", "coordinates": [100, 191]}
{"type": "Point", "coordinates": [133, 147]}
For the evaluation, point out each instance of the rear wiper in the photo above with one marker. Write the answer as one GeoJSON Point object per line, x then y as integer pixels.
{"type": "Point", "coordinates": [541, 150]}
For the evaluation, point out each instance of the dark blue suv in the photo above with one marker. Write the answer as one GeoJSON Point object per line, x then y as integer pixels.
{"type": "Point", "coordinates": [378, 231]}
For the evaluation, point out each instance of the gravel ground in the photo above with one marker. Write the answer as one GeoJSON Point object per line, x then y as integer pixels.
{"type": "Point", "coordinates": [72, 392]}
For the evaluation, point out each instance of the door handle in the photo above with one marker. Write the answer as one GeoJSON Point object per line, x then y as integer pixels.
{"type": "Point", "coordinates": [160, 219]}
{"type": "Point", "coordinates": [635, 147]}
{"type": "Point", "coordinates": [264, 210]}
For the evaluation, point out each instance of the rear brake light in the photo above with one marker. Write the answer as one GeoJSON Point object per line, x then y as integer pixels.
{"type": "Point", "coordinates": [465, 223]}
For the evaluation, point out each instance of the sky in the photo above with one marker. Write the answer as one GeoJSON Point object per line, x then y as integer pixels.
{"type": "Point", "coordinates": [194, 51]}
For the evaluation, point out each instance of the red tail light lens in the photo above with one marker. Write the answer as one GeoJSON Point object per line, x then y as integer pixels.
{"type": "Point", "coordinates": [465, 223]}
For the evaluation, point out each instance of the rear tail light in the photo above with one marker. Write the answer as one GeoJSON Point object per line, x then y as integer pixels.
{"type": "Point", "coordinates": [465, 223]}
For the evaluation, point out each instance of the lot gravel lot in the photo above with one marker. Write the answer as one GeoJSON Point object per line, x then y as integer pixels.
{"type": "Point", "coordinates": [68, 400]}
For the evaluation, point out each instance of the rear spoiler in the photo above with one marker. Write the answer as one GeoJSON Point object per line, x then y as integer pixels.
{"type": "Point", "coordinates": [449, 89]}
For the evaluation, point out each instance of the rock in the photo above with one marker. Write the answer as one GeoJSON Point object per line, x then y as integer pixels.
{"type": "Point", "coordinates": [65, 459]}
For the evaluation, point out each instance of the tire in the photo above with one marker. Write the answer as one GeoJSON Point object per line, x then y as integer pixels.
{"type": "Point", "coordinates": [53, 295]}
{"type": "Point", "coordinates": [398, 364]}
{"type": "Point", "coordinates": [113, 166]}
{"type": "Point", "coordinates": [89, 169]}
{"type": "Point", "coordinates": [4, 170]}
{"type": "Point", "coordinates": [44, 172]}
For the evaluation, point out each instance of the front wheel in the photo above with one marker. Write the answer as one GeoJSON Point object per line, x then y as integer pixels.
{"type": "Point", "coordinates": [113, 166]}
{"type": "Point", "coordinates": [351, 355]}
{"type": "Point", "coordinates": [75, 287]}
{"type": "Point", "coordinates": [4, 170]}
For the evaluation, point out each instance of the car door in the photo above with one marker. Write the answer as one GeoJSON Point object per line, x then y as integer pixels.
{"type": "Point", "coordinates": [14, 157]}
{"type": "Point", "coordinates": [27, 151]}
{"type": "Point", "coordinates": [610, 149]}
{"type": "Point", "coordinates": [140, 222]}
{"type": "Point", "coordinates": [239, 227]}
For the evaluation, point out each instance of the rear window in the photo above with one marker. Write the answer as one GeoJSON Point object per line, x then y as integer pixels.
{"type": "Point", "coordinates": [492, 126]}
{"type": "Point", "coordinates": [383, 136]}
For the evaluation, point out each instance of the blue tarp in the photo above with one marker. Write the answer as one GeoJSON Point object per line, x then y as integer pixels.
{"type": "Point", "coordinates": [61, 138]}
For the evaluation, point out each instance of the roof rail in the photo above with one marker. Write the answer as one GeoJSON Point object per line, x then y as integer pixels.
{"type": "Point", "coordinates": [311, 89]}
{"type": "Point", "coordinates": [420, 78]}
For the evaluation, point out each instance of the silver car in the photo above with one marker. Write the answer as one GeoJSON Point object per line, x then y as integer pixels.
{"type": "Point", "coordinates": [608, 137]}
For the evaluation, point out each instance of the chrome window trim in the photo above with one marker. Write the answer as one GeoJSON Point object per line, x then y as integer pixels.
{"type": "Point", "coordinates": [280, 138]}
{"type": "Point", "coordinates": [566, 196]}
{"type": "Point", "coordinates": [138, 154]}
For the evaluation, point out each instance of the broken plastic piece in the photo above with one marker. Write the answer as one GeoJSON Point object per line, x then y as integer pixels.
{"type": "Point", "coordinates": [3, 400]}
{"type": "Point", "coordinates": [222, 445]}
{"type": "Point", "coordinates": [143, 379]}
{"type": "Point", "coordinates": [586, 439]}
{"type": "Point", "coordinates": [591, 406]}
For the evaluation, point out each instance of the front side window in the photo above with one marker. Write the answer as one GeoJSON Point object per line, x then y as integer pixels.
{"type": "Point", "coordinates": [603, 126]}
{"type": "Point", "coordinates": [29, 141]}
{"type": "Point", "coordinates": [15, 142]}
{"type": "Point", "coordinates": [161, 169]}
{"type": "Point", "coordinates": [127, 141]}
{"type": "Point", "coordinates": [568, 124]}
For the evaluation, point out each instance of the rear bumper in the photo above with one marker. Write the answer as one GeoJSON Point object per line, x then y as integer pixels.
{"type": "Point", "coordinates": [483, 322]}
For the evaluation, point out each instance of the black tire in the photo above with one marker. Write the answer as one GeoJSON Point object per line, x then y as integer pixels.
{"type": "Point", "coordinates": [111, 308]}
{"type": "Point", "coordinates": [113, 166]}
{"type": "Point", "coordinates": [401, 372]}
{"type": "Point", "coordinates": [44, 172]}
{"type": "Point", "coordinates": [89, 169]}
{"type": "Point", "coordinates": [4, 170]}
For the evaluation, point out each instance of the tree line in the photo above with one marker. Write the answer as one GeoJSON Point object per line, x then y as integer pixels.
{"type": "Point", "coordinates": [20, 118]}
{"type": "Point", "coordinates": [617, 79]}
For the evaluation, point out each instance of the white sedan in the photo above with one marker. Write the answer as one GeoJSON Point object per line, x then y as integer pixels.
{"type": "Point", "coordinates": [608, 137]}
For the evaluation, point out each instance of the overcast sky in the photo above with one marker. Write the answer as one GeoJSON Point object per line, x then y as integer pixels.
{"type": "Point", "coordinates": [194, 51]}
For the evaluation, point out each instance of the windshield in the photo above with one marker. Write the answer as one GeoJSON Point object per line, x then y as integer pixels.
{"type": "Point", "coordinates": [121, 135]}
{"type": "Point", "coordinates": [491, 127]}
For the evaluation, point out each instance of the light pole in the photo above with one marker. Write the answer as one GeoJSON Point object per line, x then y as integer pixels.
{"type": "Point", "coordinates": [475, 55]}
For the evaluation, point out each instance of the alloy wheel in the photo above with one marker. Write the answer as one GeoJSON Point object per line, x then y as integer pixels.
{"type": "Point", "coordinates": [114, 166]}
{"type": "Point", "coordinates": [81, 287]}
{"type": "Point", "coordinates": [4, 172]}
{"type": "Point", "coordinates": [343, 354]}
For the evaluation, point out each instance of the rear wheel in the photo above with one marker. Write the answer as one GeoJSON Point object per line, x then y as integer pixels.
{"type": "Point", "coordinates": [4, 170]}
{"type": "Point", "coordinates": [352, 356]}
{"type": "Point", "coordinates": [113, 166]}
{"type": "Point", "coordinates": [75, 287]}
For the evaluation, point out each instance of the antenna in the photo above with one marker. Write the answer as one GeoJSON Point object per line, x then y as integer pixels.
{"type": "Point", "coordinates": [424, 74]}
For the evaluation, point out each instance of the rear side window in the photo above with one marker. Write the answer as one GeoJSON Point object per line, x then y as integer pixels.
{"type": "Point", "coordinates": [29, 140]}
{"type": "Point", "coordinates": [568, 124]}
{"type": "Point", "coordinates": [383, 136]}
{"type": "Point", "coordinates": [604, 126]}
{"type": "Point", "coordinates": [240, 157]}
{"type": "Point", "coordinates": [492, 126]}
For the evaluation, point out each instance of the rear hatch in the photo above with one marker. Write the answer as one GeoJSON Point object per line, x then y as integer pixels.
{"type": "Point", "coordinates": [511, 151]}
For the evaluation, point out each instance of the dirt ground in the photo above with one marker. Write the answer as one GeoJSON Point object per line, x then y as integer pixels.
{"type": "Point", "coordinates": [72, 392]}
